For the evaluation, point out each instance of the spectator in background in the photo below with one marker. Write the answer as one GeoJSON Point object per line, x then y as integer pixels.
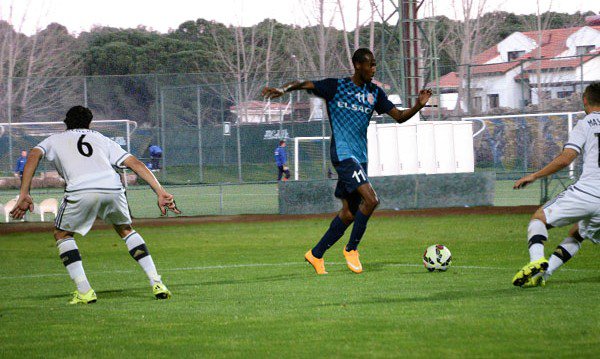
{"type": "Point", "coordinates": [155, 156]}
{"type": "Point", "coordinates": [281, 161]}
{"type": "Point", "coordinates": [21, 165]}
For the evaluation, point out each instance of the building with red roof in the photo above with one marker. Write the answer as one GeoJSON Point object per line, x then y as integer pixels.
{"type": "Point", "coordinates": [512, 72]}
{"type": "Point", "coordinates": [555, 63]}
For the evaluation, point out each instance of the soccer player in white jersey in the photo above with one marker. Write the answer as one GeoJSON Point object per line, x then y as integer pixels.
{"type": "Point", "coordinates": [87, 161]}
{"type": "Point", "coordinates": [579, 204]}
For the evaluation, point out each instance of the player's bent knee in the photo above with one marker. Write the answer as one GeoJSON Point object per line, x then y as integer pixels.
{"type": "Point", "coordinates": [371, 202]}
{"type": "Point", "coordinates": [123, 229]}
{"type": "Point", "coordinates": [60, 234]}
{"type": "Point", "coordinates": [541, 216]}
{"type": "Point", "coordinates": [346, 216]}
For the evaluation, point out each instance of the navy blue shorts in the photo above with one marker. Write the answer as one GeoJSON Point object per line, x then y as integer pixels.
{"type": "Point", "coordinates": [351, 175]}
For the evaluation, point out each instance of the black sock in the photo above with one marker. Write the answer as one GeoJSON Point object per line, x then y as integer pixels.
{"type": "Point", "coordinates": [336, 231]}
{"type": "Point", "coordinates": [360, 226]}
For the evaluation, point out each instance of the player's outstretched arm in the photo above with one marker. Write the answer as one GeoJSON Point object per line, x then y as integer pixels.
{"type": "Point", "coordinates": [274, 92]}
{"type": "Point", "coordinates": [25, 202]}
{"type": "Point", "coordinates": [165, 200]}
{"type": "Point", "coordinates": [403, 116]}
{"type": "Point", "coordinates": [561, 161]}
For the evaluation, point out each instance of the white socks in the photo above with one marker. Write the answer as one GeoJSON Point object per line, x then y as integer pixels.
{"type": "Point", "coordinates": [565, 251]}
{"type": "Point", "coordinates": [138, 250]}
{"type": "Point", "coordinates": [69, 254]}
{"type": "Point", "coordinates": [536, 235]}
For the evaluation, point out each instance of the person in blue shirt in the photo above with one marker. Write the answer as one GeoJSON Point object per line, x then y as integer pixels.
{"type": "Point", "coordinates": [155, 156]}
{"type": "Point", "coordinates": [350, 104]}
{"type": "Point", "coordinates": [281, 161]}
{"type": "Point", "coordinates": [20, 166]}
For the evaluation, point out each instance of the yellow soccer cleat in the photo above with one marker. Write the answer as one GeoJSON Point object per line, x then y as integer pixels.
{"type": "Point", "coordinates": [317, 263]}
{"type": "Point", "coordinates": [530, 270]}
{"type": "Point", "coordinates": [352, 261]}
{"type": "Point", "coordinates": [535, 281]}
{"type": "Point", "coordinates": [161, 291]}
{"type": "Point", "coordinates": [86, 298]}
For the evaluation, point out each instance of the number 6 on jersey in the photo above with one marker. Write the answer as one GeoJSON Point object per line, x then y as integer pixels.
{"type": "Point", "coordinates": [81, 145]}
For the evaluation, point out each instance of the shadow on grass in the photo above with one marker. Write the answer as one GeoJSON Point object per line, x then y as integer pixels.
{"type": "Point", "coordinates": [273, 278]}
{"type": "Point", "coordinates": [575, 281]}
{"type": "Point", "coordinates": [435, 297]}
{"type": "Point", "coordinates": [137, 292]}
{"type": "Point", "coordinates": [386, 265]}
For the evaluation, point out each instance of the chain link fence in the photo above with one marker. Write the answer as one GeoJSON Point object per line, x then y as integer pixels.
{"type": "Point", "coordinates": [218, 136]}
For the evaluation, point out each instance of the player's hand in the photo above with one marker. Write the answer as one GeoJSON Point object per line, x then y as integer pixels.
{"type": "Point", "coordinates": [424, 96]}
{"type": "Point", "coordinates": [24, 203]}
{"type": "Point", "coordinates": [272, 92]}
{"type": "Point", "coordinates": [523, 182]}
{"type": "Point", "coordinates": [166, 202]}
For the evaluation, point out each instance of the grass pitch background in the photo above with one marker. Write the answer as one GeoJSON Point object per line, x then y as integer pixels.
{"type": "Point", "coordinates": [242, 290]}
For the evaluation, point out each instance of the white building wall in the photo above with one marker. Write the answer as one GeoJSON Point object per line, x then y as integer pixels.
{"type": "Point", "coordinates": [583, 37]}
{"type": "Point", "coordinates": [570, 79]}
{"type": "Point", "coordinates": [591, 70]}
{"type": "Point", "coordinates": [504, 85]}
{"type": "Point", "coordinates": [514, 42]}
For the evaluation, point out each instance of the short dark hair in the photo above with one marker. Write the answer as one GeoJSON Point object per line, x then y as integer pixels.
{"type": "Point", "coordinates": [78, 117]}
{"type": "Point", "coordinates": [592, 93]}
{"type": "Point", "coordinates": [360, 55]}
{"type": "Point", "coordinates": [281, 142]}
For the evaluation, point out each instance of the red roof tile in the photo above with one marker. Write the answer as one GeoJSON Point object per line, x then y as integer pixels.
{"type": "Point", "coordinates": [553, 44]}
{"type": "Point", "coordinates": [449, 80]}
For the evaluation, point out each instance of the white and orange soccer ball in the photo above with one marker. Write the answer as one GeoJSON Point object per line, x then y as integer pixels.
{"type": "Point", "coordinates": [437, 257]}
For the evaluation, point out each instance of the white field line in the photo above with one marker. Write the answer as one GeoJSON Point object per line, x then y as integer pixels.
{"type": "Point", "coordinates": [254, 265]}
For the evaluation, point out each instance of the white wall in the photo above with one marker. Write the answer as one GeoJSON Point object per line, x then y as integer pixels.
{"type": "Point", "coordinates": [514, 42]}
{"type": "Point", "coordinates": [583, 37]}
{"type": "Point", "coordinates": [426, 147]}
{"type": "Point", "coordinates": [504, 85]}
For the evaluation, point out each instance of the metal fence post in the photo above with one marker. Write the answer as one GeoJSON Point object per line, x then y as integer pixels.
{"type": "Point", "coordinates": [220, 199]}
{"type": "Point", "coordinates": [199, 123]}
{"type": "Point", "coordinates": [85, 92]}
{"type": "Point", "coordinates": [323, 148]}
{"type": "Point", "coordinates": [9, 115]}
{"type": "Point", "coordinates": [163, 171]}
{"type": "Point", "coordinates": [239, 149]}
{"type": "Point", "coordinates": [469, 102]}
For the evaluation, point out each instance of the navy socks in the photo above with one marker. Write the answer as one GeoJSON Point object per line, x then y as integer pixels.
{"type": "Point", "coordinates": [336, 231]}
{"type": "Point", "coordinates": [360, 226]}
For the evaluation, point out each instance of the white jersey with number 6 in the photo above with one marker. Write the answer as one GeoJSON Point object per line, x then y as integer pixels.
{"type": "Point", "coordinates": [585, 139]}
{"type": "Point", "coordinates": [86, 159]}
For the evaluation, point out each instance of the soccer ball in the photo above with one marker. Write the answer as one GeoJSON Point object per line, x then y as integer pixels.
{"type": "Point", "coordinates": [437, 257]}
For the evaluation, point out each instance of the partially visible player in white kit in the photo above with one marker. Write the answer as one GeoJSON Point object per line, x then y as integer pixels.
{"type": "Point", "coordinates": [87, 161]}
{"type": "Point", "coordinates": [579, 204]}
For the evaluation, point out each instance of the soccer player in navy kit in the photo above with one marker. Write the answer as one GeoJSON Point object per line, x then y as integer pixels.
{"type": "Point", "coordinates": [350, 105]}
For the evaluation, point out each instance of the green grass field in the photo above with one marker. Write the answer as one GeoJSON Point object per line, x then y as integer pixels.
{"type": "Point", "coordinates": [242, 290]}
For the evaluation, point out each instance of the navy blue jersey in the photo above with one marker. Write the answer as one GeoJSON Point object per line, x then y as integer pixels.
{"type": "Point", "coordinates": [350, 108]}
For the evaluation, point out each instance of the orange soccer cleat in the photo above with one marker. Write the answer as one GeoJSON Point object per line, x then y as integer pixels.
{"type": "Point", "coordinates": [352, 261]}
{"type": "Point", "coordinates": [317, 263]}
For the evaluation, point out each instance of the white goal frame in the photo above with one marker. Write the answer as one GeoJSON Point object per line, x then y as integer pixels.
{"type": "Point", "coordinates": [297, 141]}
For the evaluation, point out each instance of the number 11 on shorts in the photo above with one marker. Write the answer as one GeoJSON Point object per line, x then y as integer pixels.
{"type": "Point", "coordinates": [358, 174]}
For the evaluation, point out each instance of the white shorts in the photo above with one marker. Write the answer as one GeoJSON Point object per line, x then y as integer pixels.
{"type": "Point", "coordinates": [78, 211]}
{"type": "Point", "coordinates": [573, 206]}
